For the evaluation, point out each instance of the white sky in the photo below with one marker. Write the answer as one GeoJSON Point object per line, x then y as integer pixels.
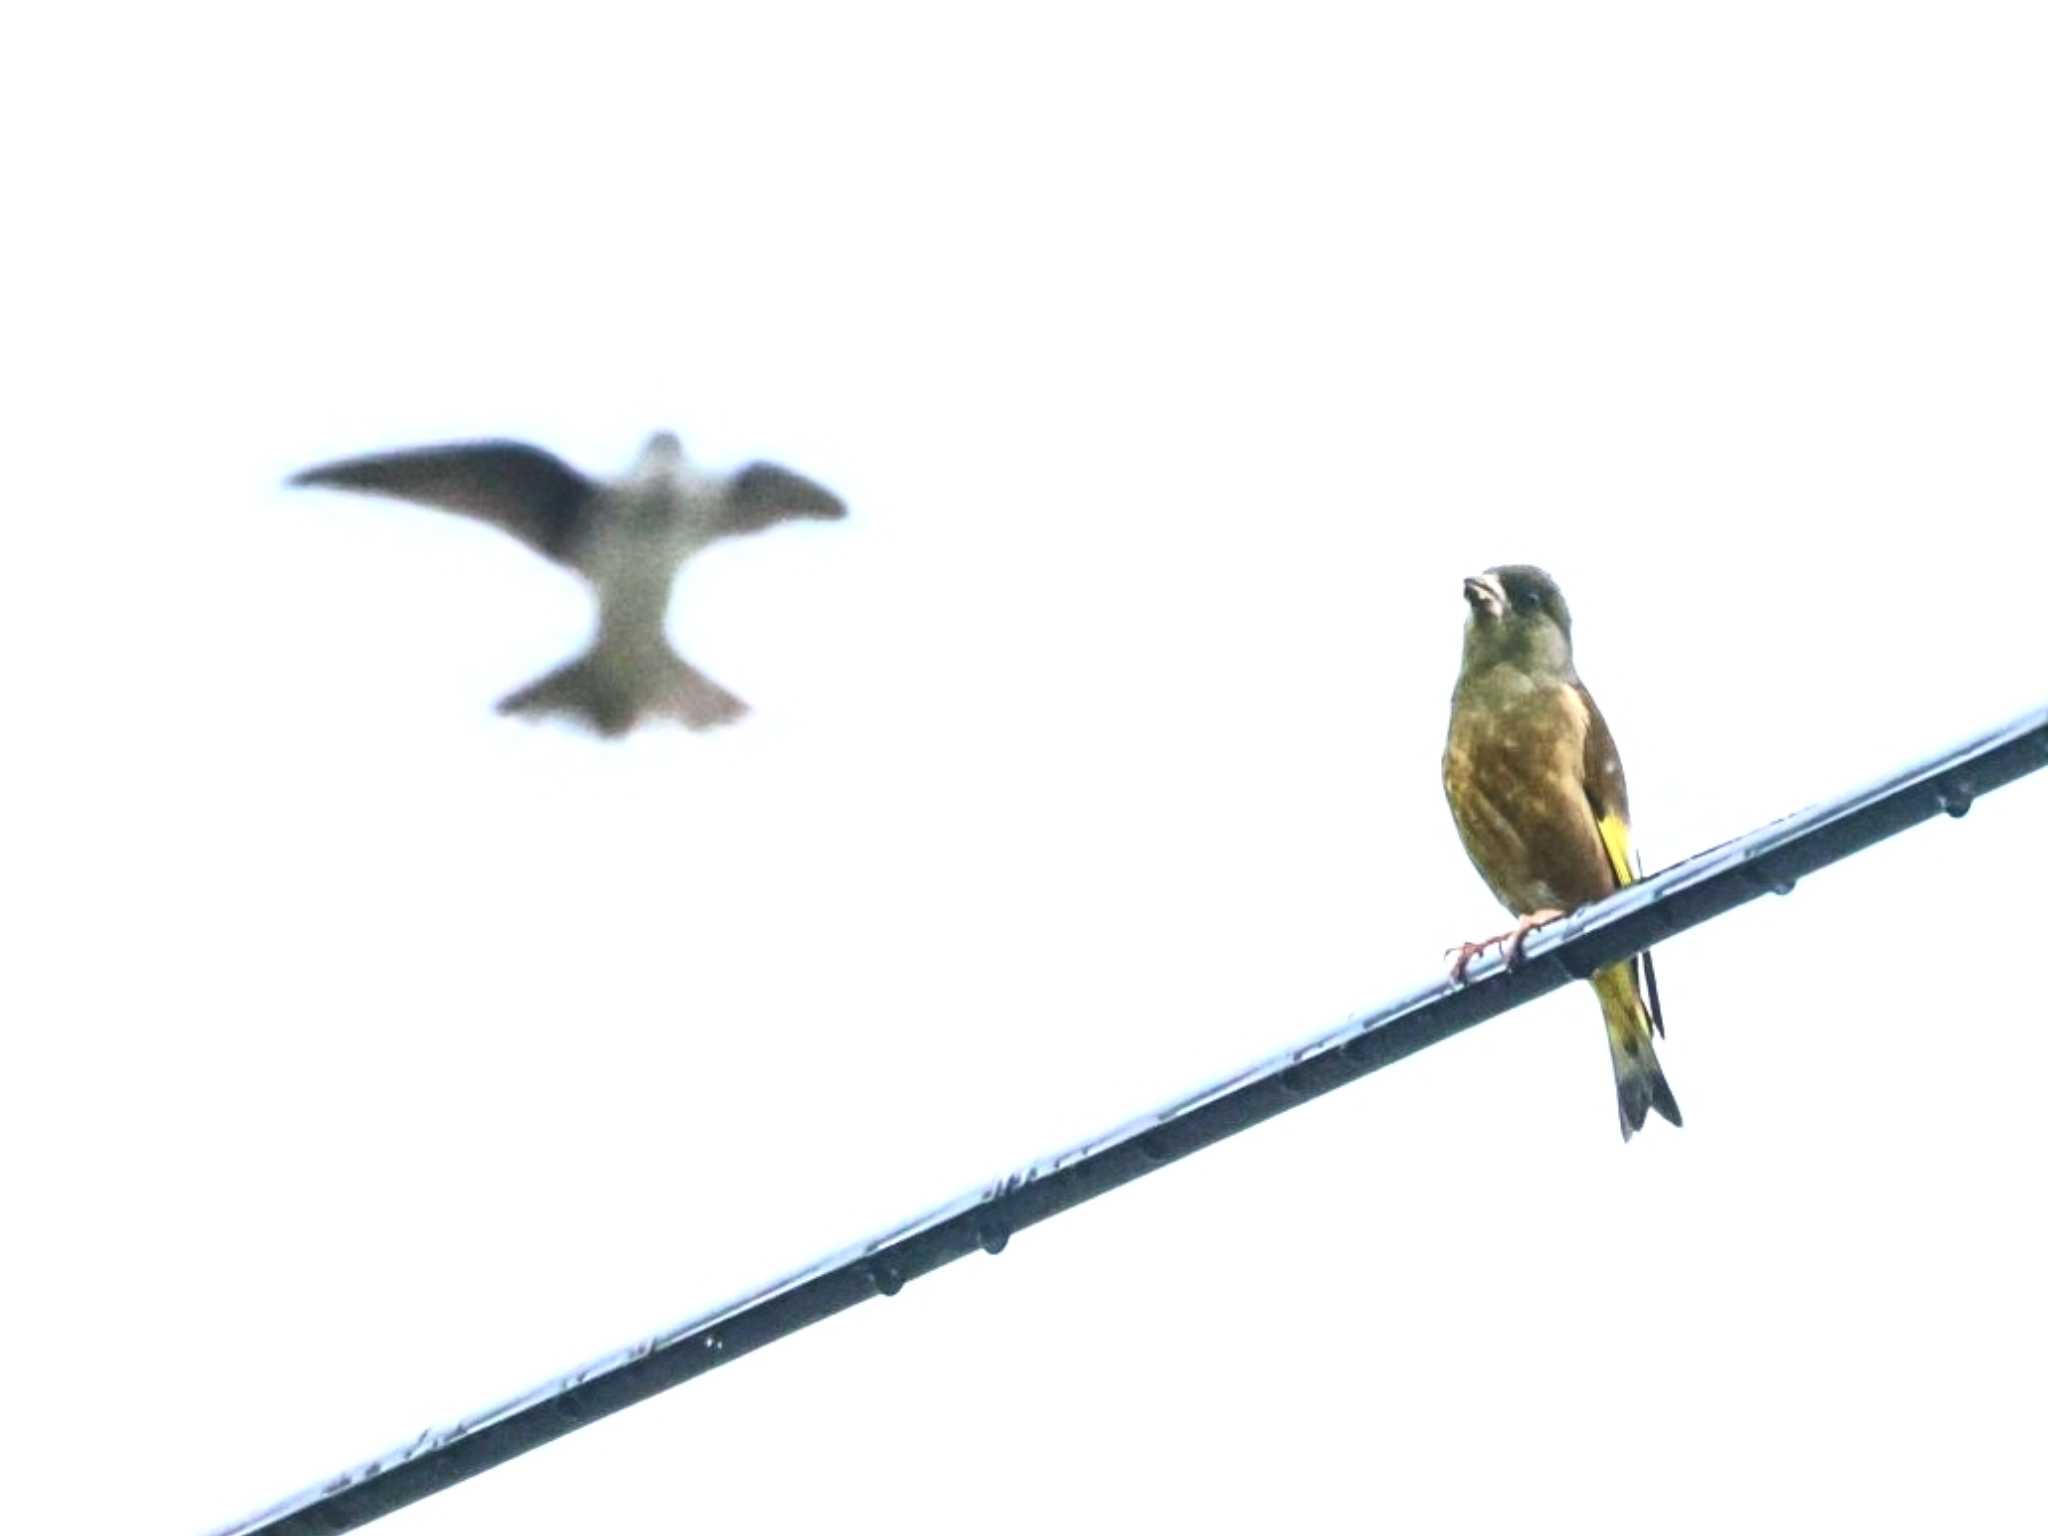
{"type": "Point", "coordinates": [373, 1057]}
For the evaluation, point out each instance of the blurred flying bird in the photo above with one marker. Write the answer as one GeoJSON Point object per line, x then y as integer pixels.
{"type": "Point", "coordinates": [1536, 789]}
{"type": "Point", "coordinates": [627, 537]}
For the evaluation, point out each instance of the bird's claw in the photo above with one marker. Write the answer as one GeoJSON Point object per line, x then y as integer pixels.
{"type": "Point", "coordinates": [1467, 952]}
{"type": "Point", "coordinates": [1510, 942]}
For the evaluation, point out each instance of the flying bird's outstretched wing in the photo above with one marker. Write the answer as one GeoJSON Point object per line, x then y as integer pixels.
{"type": "Point", "coordinates": [765, 493]}
{"type": "Point", "coordinates": [524, 490]}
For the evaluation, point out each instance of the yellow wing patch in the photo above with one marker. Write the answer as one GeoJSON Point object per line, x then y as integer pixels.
{"type": "Point", "coordinates": [1614, 838]}
{"type": "Point", "coordinates": [1620, 980]}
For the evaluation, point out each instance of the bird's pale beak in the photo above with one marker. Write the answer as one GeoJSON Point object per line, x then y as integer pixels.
{"type": "Point", "coordinates": [1486, 595]}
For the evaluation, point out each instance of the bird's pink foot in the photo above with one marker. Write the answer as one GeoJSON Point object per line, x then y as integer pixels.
{"type": "Point", "coordinates": [1511, 942]}
{"type": "Point", "coordinates": [1467, 952]}
{"type": "Point", "coordinates": [1463, 955]}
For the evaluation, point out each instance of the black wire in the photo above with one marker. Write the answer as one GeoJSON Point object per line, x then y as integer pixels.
{"type": "Point", "coordinates": [1770, 859]}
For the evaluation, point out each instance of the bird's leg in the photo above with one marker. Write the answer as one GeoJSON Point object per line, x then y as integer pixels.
{"type": "Point", "coordinates": [1515, 938]}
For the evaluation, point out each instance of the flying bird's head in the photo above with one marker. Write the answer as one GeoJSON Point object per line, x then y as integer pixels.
{"type": "Point", "coordinates": [762, 495]}
{"type": "Point", "coordinates": [1518, 617]}
{"type": "Point", "coordinates": [661, 460]}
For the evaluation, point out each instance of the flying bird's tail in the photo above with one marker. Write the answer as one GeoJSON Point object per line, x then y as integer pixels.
{"type": "Point", "coordinates": [1638, 1079]}
{"type": "Point", "coordinates": [612, 691]}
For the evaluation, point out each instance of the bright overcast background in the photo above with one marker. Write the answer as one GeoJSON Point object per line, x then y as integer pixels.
{"type": "Point", "coordinates": [373, 1057]}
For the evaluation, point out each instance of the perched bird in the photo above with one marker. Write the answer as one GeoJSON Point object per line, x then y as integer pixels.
{"type": "Point", "coordinates": [627, 537]}
{"type": "Point", "coordinates": [1536, 789]}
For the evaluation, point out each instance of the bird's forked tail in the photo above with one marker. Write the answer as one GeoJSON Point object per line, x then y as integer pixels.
{"type": "Point", "coordinates": [612, 690]}
{"type": "Point", "coordinates": [1638, 1080]}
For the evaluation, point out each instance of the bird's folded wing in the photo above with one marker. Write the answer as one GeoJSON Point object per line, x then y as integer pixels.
{"type": "Point", "coordinates": [524, 490]}
{"type": "Point", "coordinates": [1607, 792]}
